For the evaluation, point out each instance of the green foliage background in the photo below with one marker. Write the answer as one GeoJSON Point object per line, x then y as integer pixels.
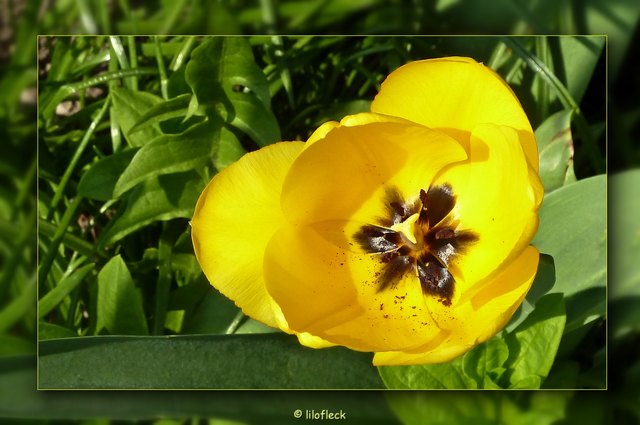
{"type": "Point", "coordinates": [149, 255]}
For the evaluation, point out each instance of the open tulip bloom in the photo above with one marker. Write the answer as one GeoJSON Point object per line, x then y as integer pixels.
{"type": "Point", "coordinates": [405, 231]}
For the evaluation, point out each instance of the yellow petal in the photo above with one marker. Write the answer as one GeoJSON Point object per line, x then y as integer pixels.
{"type": "Point", "coordinates": [234, 219]}
{"type": "Point", "coordinates": [475, 321]}
{"type": "Point", "coordinates": [350, 121]}
{"type": "Point", "coordinates": [331, 293]}
{"type": "Point", "coordinates": [348, 174]}
{"type": "Point", "coordinates": [495, 200]}
{"type": "Point", "coordinates": [321, 132]}
{"type": "Point", "coordinates": [454, 94]}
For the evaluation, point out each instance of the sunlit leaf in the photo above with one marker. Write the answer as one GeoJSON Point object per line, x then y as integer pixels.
{"type": "Point", "coordinates": [555, 149]}
{"type": "Point", "coordinates": [128, 107]}
{"type": "Point", "coordinates": [572, 231]}
{"type": "Point", "coordinates": [533, 344]}
{"type": "Point", "coordinates": [157, 199]}
{"type": "Point", "coordinates": [120, 309]}
{"type": "Point", "coordinates": [170, 154]}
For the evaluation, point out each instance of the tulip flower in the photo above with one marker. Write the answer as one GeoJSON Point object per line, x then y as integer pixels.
{"type": "Point", "coordinates": [405, 231]}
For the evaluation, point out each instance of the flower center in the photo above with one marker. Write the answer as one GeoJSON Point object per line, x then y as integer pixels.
{"type": "Point", "coordinates": [419, 236]}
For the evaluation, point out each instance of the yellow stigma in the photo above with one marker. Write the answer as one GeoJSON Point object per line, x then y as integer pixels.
{"type": "Point", "coordinates": [408, 230]}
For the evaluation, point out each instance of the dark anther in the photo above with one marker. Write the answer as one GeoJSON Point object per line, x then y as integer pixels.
{"type": "Point", "coordinates": [374, 239]}
{"type": "Point", "coordinates": [393, 271]}
{"type": "Point", "coordinates": [386, 257]}
{"type": "Point", "coordinates": [445, 242]}
{"type": "Point", "coordinates": [435, 279]}
{"type": "Point", "coordinates": [445, 233]}
{"type": "Point", "coordinates": [397, 210]}
{"type": "Point", "coordinates": [438, 201]}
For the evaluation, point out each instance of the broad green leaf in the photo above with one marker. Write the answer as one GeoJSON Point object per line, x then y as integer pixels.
{"type": "Point", "coordinates": [616, 19]}
{"type": "Point", "coordinates": [250, 116]}
{"type": "Point", "coordinates": [128, 107]}
{"type": "Point", "coordinates": [555, 150]}
{"type": "Point", "coordinates": [220, 64]}
{"type": "Point", "coordinates": [481, 367]}
{"type": "Point", "coordinates": [573, 231]}
{"type": "Point", "coordinates": [230, 361]}
{"type": "Point", "coordinates": [170, 154]}
{"type": "Point", "coordinates": [52, 331]}
{"type": "Point", "coordinates": [448, 375]}
{"type": "Point", "coordinates": [172, 108]}
{"type": "Point", "coordinates": [229, 150]}
{"type": "Point", "coordinates": [120, 309]}
{"type": "Point", "coordinates": [484, 363]}
{"type": "Point", "coordinates": [100, 180]}
{"type": "Point", "coordinates": [20, 399]}
{"type": "Point", "coordinates": [225, 78]}
{"type": "Point", "coordinates": [67, 284]}
{"type": "Point", "coordinates": [158, 199]}
{"type": "Point", "coordinates": [578, 58]}
{"type": "Point", "coordinates": [533, 345]}
{"type": "Point", "coordinates": [624, 218]}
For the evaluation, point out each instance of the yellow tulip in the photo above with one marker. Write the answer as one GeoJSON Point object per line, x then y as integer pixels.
{"type": "Point", "coordinates": [405, 231]}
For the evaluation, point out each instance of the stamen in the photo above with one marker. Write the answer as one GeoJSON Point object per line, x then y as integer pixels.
{"type": "Point", "coordinates": [438, 201]}
{"type": "Point", "coordinates": [435, 279]}
{"type": "Point", "coordinates": [373, 239]}
{"type": "Point", "coordinates": [393, 272]}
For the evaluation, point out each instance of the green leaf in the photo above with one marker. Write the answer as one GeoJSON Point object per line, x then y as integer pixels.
{"type": "Point", "coordinates": [51, 331]}
{"type": "Point", "coordinates": [170, 154]}
{"type": "Point", "coordinates": [158, 199]}
{"type": "Point", "coordinates": [448, 375]}
{"type": "Point", "coordinates": [220, 64]}
{"type": "Point", "coordinates": [20, 399]}
{"type": "Point", "coordinates": [224, 77]}
{"type": "Point", "coordinates": [555, 150]}
{"type": "Point", "coordinates": [172, 108]}
{"type": "Point", "coordinates": [128, 107]}
{"type": "Point", "coordinates": [484, 362]}
{"type": "Point", "coordinates": [120, 308]}
{"type": "Point", "coordinates": [250, 116]}
{"type": "Point", "coordinates": [231, 361]}
{"type": "Point", "coordinates": [229, 150]}
{"type": "Point", "coordinates": [67, 284]}
{"type": "Point", "coordinates": [578, 57]}
{"type": "Point", "coordinates": [481, 367]}
{"type": "Point", "coordinates": [624, 222]}
{"type": "Point", "coordinates": [100, 180]}
{"type": "Point", "coordinates": [533, 345]}
{"type": "Point", "coordinates": [573, 231]}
